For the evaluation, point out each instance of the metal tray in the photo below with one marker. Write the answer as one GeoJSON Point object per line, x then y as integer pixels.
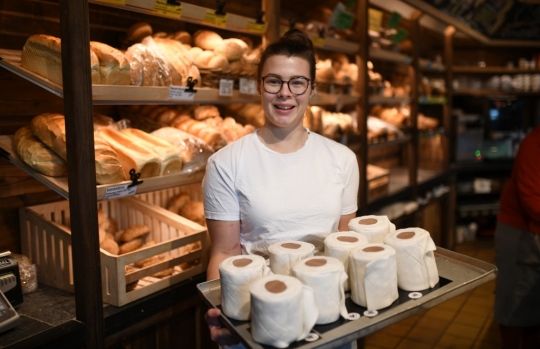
{"type": "Point", "coordinates": [458, 274]}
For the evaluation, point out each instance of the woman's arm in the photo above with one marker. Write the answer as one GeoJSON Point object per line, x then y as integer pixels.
{"type": "Point", "coordinates": [225, 242]}
{"type": "Point", "coordinates": [344, 221]}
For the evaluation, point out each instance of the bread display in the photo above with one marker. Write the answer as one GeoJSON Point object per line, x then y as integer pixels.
{"type": "Point", "coordinates": [42, 54]}
{"type": "Point", "coordinates": [114, 68]}
{"type": "Point", "coordinates": [131, 154]}
{"type": "Point", "coordinates": [182, 205]}
{"type": "Point", "coordinates": [171, 162]}
{"type": "Point", "coordinates": [37, 155]}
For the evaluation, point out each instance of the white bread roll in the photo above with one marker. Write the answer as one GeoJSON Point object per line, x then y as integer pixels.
{"type": "Point", "coordinates": [233, 48]}
{"type": "Point", "coordinates": [131, 154]}
{"type": "Point", "coordinates": [218, 62]}
{"type": "Point", "coordinates": [207, 39]}
{"type": "Point", "coordinates": [171, 162]}
{"type": "Point", "coordinates": [42, 54]}
{"type": "Point", "coordinates": [36, 154]}
{"type": "Point", "coordinates": [202, 58]}
{"type": "Point", "coordinates": [114, 68]}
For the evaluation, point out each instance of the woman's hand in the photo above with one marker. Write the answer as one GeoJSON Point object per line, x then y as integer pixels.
{"type": "Point", "coordinates": [218, 333]}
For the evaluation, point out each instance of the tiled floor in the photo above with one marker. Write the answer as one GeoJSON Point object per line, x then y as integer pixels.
{"type": "Point", "coordinates": [463, 322]}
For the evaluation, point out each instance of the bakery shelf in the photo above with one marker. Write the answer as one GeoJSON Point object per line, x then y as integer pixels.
{"type": "Point", "coordinates": [117, 94]}
{"type": "Point", "coordinates": [387, 142]}
{"type": "Point", "coordinates": [458, 274]}
{"type": "Point", "coordinates": [493, 70]}
{"type": "Point", "coordinates": [376, 99]}
{"type": "Point", "coordinates": [390, 56]}
{"type": "Point", "coordinates": [494, 93]}
{"type": "Point", "coordinates": [60, 184]}
{"type": "Point", "coordinates": [192, 14]}
{"type": "Point", "coordinates": [334, 45]}
{"type": "Point", "coordinates": [325, 99]}
{"type": "Point", "coordinates": [427, 65]}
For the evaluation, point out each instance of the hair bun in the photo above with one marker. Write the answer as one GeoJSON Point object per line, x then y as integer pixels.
{"type": "Point", "coordinates": [298, 37]}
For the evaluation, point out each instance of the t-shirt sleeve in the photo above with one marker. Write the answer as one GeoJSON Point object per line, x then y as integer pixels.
{"type": "Point", "coordinates": [526, 170]}
{"type": "Point", "coordinates": [352, 182]}
{"type": "Point", "coordinates": [220, 198]}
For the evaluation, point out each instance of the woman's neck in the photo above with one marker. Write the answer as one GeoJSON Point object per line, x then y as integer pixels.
{"type": "Point", "coordinates": [281, 140]}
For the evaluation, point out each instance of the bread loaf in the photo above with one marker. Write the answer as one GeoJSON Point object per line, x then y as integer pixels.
{"type": "Point", "coordinates": [171, 162]}
{"type": "Point", "coordinates": [199, 129]}
{"type": "Point", "coordinates": [42, 54]}
{"type": "Point", "coordinates": [131, 154]}
{"type": "Point", "coordinates": [233, 49]}
{"type": "Point", "coordinates": [179, 61]}
{"type": "Point", "coordinates": [50, 128]}
{"type": "Point", "coordinates": [114, 68]}
{"type": "Point", "coordinates": [207, 39]}
{"type": "Point", "coordinates": [147, 67]}
{"type": "Point", "coordinates": [36, 154]}
{"type": "Point", "coordinates": [108, 167]}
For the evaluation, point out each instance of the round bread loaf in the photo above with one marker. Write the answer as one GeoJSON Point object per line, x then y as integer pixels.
{"type": "Point", "coordinates": [233, 49]}
{"type": "Point", "coordinates": [194, 211]}
{"type": "Point", "coordinates": [207, 39]}
{"type": "Point", "coordinates": [139, 31]}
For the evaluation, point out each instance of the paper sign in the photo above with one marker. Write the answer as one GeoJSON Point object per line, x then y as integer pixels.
{"type": "Point", "coordinates": [248, 86]}
{"type": "Point", "coordinates": [115, 2]}
{"type": "Point", "coordinates": [226, 87]}
{"type": "Point", "coordinates": [119, 191]}
{"type": "Point", "coordinates": [162, 7]}
{"type": "Point", "coordinates": [317, 41]}
{"type": "Point", "coordinates": [181, 93]}
{"type": "Point", "coordinates": [375, 19]}
{"type": "Point", "coordinates": [257, 27]}
{"type": "Point", "coordinates": [217, 20]}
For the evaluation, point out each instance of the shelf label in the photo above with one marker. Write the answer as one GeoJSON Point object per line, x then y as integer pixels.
{"type": "Point", "coordinates": [115, 2]}
{"type": "Point", "coordinates": [226, 87]}
{"type": "Point", "coordinates": [375, 19]}
{"type": "Point", "coordinates": [317, 41]}
{"type": "Point", "coordinates": [162, 7]}
{"type": "Point", "coordinates": [256, 27]}
{"type": "Point", "coordinates": [119, 191]}
{"type": "Point", "coordinates": [181, 93]}
{"type": "Point", "coordinates": [248, 86]}
{"type": "Point", "coordinates": [217, 20]}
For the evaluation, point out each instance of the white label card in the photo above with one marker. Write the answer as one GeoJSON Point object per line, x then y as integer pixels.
{"type": "Point", "coordinates": [181, 93]}
{"type": "Point", "coordinates": [248, 86]}
{"type": "Point", "coordinates": [119, 191]}
{"type": "Point", "coordinates": [226, 87]}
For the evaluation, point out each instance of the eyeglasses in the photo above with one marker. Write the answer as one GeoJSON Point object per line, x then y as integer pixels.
{"type": "Point", "coordinates": [298, 85]}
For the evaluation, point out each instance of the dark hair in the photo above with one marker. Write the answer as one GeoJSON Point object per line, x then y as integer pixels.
{"type": "Point", "coordinates": [294, 43]}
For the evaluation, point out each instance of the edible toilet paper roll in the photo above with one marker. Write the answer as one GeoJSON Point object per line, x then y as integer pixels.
{"type": "Point", "coordinates": [326, 276]}
{"type": "Point", "coordinates": [374, 228]}
{"type": "Point", "coordinates": [284, 254]}
{"type": "Point", "coordinates": [236, 274]}
{"type": "Point", "coordinates": [283, 310]}
{"type": "Point", "coordinates": [373, 276]}
{"type": "Point", "coordinates": [340, 244]}
{"type": "Point", "coordinates": [416, 266]}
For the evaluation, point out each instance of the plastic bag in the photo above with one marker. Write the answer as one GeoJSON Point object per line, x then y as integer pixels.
{"type": "Point", "coordinates": [28, 273]}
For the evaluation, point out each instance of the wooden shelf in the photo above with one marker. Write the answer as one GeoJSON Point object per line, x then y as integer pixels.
{"type": "Point", "coordinates": [375, 99]}
{"type": "Point", "coordinates": [427, 66]}
{"type": "Point", "coordinates": [390, 142]}
{"type": "Point", "coordinates": [390, 56]}
{"type": "Point", "coordinates": [425, 100]}
{"type": "Point", "coordinates": [494, 93]}
{"type": "Point", "coordinates": [192, 14]}
{"type": "Point", "coordinates": [118, 94]}
{"type": "Point", "coordinates": [334, 45]}
{"type": "Point", "coordinates": [60, 184]}
{"type": "Point", "coordinates": [493, 70]}
{"type": "Point", "coordinates": [326, 99]}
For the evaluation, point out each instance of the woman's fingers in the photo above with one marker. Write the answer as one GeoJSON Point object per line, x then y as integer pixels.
{"type": "Point", "coordinates": [218, 333]}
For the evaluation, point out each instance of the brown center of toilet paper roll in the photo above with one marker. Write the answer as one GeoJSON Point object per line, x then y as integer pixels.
{"type": "Point", "coordinates": [367, 221]}
{"type": "Point", "coordinates": [373, 249]}
{"type": "Point", "coordinates": [275, 286]}
{"type": "Point", "coordinates": [406, 235]}
{"type": "Point", "coordinates": [316, 262]}
{"type": "Point", "coordinates": [350, 239]}
{"type": "Point", "coordinates": [291, 245]}
{"type": "Point", "coordinates": [241, 262]}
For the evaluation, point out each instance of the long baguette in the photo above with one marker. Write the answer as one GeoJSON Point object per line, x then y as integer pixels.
{"type": "Point", "coordinates": [131, 154]}
{"type": "Point", "coordinates": [171, 162]}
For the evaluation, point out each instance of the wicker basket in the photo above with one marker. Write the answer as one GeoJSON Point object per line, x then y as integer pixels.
{"type": "Point", "coordinates": [46, 240]}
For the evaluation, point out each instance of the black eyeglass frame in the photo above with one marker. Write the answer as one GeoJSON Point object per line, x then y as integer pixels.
{"type": "Point", "coordinates": [286, 81]}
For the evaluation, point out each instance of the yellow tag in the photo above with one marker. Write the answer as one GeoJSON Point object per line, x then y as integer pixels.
{"type": "Point", "coordinates": [317, 41]}
{"type": "Point", "coordinates": [217, 20]}
{"type": "Point", "coordinates": [116, 2]}
{"type": "Point", "coordinates": [174, 11]}
{"type": "Point", "coordinates": [257, 27]}
{"type": "Point", "coordinates": [375, 19]}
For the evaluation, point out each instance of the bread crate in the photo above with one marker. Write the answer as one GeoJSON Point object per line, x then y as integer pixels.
{"type": "Point", "coordinates": [161, 197]}
{"type": "Point", "coordinates": [46, 239]}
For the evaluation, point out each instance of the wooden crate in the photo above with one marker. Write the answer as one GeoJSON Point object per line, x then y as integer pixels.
{"type": "Point", "coordinates": [46, 239]}
{"type": "Point", "coordinates": [161, 197]}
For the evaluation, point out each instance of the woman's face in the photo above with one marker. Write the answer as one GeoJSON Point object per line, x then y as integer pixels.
{"type": "Point", "coordinates": [284, 109]}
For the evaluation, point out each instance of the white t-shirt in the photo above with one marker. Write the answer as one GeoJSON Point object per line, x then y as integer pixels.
{"type": "Point", "coordinates": [277, 197]}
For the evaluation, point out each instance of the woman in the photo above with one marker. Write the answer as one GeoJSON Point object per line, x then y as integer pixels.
{"type": "Point", "coordinates": [281, 182]}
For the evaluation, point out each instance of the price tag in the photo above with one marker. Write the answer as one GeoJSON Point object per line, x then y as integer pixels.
{"type": "Point", "coordinates": [181, 93]}
{"type": "Point", "coordinates": [317, 41]}
{"type": "Point", "coordinates": [115, 2]}
{"type": "Point", "coordinates": [162, 7]}
{"type": "Point", "coordinates": [375, 19]}
{"type": "Point", "coordinates": [248, 86]}
{"type": "Point", "coordinates": [256, 27]}
{"type": "Point", "coordinates": [120, 191]}
{"type": "Point", "coordinates": [217, 20]}
{"type": "Point", "coordinates": [226, 87]}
